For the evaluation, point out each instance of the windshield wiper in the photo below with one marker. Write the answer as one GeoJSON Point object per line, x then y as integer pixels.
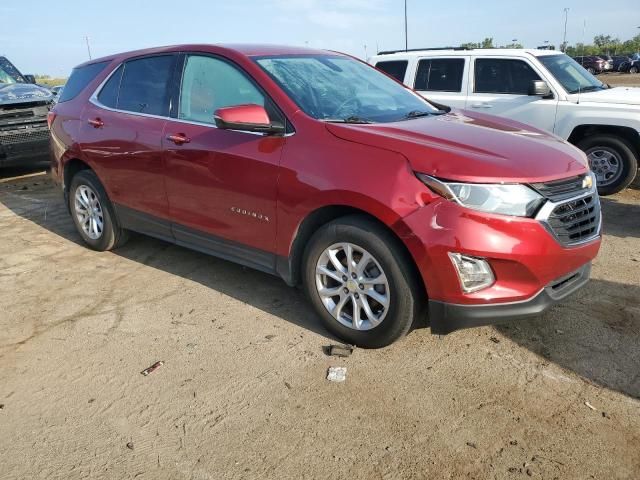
{"type": "Point", "coordinates": [351, 119]}
{"type": "Point", "coordinates": [416, 114]}
{"type": "Point", "coordinates": [590, 88]}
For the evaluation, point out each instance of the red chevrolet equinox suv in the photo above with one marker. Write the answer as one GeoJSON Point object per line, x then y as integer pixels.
{"type": "Point", "coordinates": [315, 167]}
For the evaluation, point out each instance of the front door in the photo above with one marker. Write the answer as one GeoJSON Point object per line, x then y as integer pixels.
{"type": "Point", "coordinates": [221, 184]}
{"type": "Point", "coordinates": [501, 87]}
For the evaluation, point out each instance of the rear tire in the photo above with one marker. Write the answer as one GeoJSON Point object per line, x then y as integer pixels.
{"type": "Point", "coordinates": [380, 270]}
{"type": "Point", "coordinates": [93, 213]}
{"type": "Point", "coordinates": [600, 148]}
{"type": "Point", "coordinates": [591, 70]}
{"type": "Point", "coordinates": [633, 70]}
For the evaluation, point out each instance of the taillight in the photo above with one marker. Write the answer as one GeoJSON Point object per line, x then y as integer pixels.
{"type": "Point", "coordinates": [51, 116]}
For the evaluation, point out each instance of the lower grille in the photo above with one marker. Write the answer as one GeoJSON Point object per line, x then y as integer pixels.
{"type": "Point", "coordinates": [575, 221]}
{"type": "Point", "coordinates": [24, 136]}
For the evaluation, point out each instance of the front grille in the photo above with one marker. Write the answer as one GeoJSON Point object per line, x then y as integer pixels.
{"type": "Point", "coordinates": [23, 136]}
{"type": "Point", "coordinates": [558, 190]}
{"type": "Point", "coordinates": [576, 221]}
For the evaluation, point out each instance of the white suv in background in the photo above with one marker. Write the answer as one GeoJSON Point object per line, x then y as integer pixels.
{"type": "Point", "coordinates": [542, 88]}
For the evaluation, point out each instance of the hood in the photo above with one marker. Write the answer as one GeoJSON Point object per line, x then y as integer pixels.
{"type": "Point", "coordinates": [472, 147]}
{"type": "Point", "coordinates": [621, 95]}
{"type": "Point", "coordinates": [23, 92]}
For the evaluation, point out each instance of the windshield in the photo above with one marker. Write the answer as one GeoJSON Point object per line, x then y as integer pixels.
{"type": "Point", "coordinates": [573, 77]}
{"type": "Point", "coordinates": [9, 73]}
{"type": "Point", "coordinates": [341, 89]}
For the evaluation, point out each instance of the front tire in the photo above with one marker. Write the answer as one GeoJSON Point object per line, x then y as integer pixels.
{"type": "Point", "coordinates": [361, 282]}
{"type": "Point", "coordinates": [93, 214]}
{"type": "Point", "coordinates": [591, 70]}
{"type": "Point", "coordinates": [612, 159]}
{"type": "Point", "coordinates": [633, 70]}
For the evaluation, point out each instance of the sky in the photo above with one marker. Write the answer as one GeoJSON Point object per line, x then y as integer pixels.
{"type": "Point", "coordinates": [46, 37]}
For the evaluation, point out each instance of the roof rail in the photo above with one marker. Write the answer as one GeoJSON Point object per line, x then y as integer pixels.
{"type": "Point", "coordinates": [389, 52]}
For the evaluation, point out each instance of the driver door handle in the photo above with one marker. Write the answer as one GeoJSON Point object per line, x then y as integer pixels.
{"type": "Point", "coordinates": [178, 138]}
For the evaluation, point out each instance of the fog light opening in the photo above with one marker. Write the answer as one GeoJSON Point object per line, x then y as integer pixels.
{"type": "Point", "coordinates": [474, 273]}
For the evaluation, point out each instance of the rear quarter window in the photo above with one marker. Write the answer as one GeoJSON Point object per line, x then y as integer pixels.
{"type": "Point", "coordinates": [395, 68]}
{"type": "Point", "coordinates": [79, 79]}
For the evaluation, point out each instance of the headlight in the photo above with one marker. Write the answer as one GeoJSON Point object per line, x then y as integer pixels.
{"type": "Point", "coordinates": [507, 199]}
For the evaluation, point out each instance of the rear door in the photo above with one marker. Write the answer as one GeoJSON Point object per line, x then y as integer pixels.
{"type": "Point", "coordinates": [122, 132]}
{"type": "Point", "coordinates": [443, 80]}
{"type": "Point", "coordinates": [500, 87]}
{"type": "Point", "coordinates": [222, 184]}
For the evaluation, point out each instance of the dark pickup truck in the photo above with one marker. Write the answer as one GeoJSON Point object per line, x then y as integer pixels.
{"type": "Point", "coordinates": [24, 135]}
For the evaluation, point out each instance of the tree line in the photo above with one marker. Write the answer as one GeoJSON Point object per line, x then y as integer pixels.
{"type": "Point", "coordinates": [602, 45]}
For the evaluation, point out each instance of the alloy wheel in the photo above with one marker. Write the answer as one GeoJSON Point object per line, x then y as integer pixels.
{"type": "Point", "coordinates": [352, 286]}
{"type": "Point", "coordinates": [89, 212]}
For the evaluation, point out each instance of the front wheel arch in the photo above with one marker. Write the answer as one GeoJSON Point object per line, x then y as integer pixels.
{"type": "Point", "coordinates": [290, 268]}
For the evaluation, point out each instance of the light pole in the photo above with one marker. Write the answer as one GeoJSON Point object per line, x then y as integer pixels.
{"type": "Point", "coordinates": [86, 38]}
{"type": "Point", "coordinates": [406, 35]}
{"type": "Point", "coordinates": [365, 53]}
{"type": "Point", "coordinates": [564, 37]}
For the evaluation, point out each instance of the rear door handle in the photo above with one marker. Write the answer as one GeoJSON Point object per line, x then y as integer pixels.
{"type": "Point", "coordinates": [95, 123]}
{"type": "Point", "coordinates": [481, 105]}
{"type": "Point", "coordinates": [178, 138]}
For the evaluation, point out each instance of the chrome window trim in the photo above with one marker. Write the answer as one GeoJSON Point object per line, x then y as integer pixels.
{"type": "Point", "coordinates": [548, 208]}
{"type": "Point", "coordinates": [94, 100]}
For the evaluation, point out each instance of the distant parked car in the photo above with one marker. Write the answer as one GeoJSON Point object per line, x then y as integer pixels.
{"type": "Point", "coordinates": [594, 64]}
{"type": "Point", "coordinates": [621, 63]}
{"type": "Point", "coordinates": [634, 66]}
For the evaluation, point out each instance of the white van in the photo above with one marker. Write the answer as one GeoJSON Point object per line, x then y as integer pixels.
{"type": "Point", "coordinates": [543, 88]}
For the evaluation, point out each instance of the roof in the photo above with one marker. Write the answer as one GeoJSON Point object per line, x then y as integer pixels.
{"type": "Point", "coordinates": [249, 50]}
{"type": "Point", "coordinates": [458, 52]}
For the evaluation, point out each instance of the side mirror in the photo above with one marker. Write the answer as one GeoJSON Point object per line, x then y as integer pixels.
{"type": "Point", "coordinates": [30, 79]}
{"type": "Point", "coordinates": [246, 118]}
{"type": "Point", "coordinates": [539, 88]}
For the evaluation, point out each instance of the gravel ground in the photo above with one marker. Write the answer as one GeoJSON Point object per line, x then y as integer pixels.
{"type": "Point", "coordinates": [242, 393]}
{"type": "Point", "coordinates": [621, 79]}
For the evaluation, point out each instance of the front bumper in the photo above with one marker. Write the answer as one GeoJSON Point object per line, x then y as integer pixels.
{"type": "Point", "coordinates": [26, 146]}
{"type": "Point", "coordinates": [448, 317]}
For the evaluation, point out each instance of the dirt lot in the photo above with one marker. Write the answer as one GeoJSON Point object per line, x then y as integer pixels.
{"type": "Point", "coordinates": [242, 392]}
{"type": "Point", "coordinates": [621, 79]}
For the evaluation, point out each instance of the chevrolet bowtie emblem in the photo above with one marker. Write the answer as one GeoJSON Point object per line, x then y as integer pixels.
{"type": "Point", "coordinates": [587, 182]}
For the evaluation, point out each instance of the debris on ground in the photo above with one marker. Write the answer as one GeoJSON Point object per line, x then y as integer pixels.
{"type": "Point", "coordinates": [494, 340]}
{"type": "Point", "coordinates": [559, 332]}
{"type": "Point", "coordinates": [288, 385]}
{"type": "Point", "coordinates": [590, 406]}
{"type": "Point", "coordinates": [153, 367]}
{"type": "Point", "coordinates": [472, 445]}
{"type": "Point", "coordinates": [1, 406]}
{"type": "Point", "coordinates": [338, 350]}
{"type": "Point", "coordinates": [337, 374]}
{"type": "Point", "coordinates": [130, 445]}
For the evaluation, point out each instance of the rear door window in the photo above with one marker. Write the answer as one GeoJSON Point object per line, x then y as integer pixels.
{"type": "Point", "coordinates": [394, 68]}
{"type": "Point", "coordinates": [144, 86]}
{"type": "Point", "coordinates": [440, 75]}
{"type": "Point", "coordinates": [508, 76]}
{"type": "Point", "coordinates": [79, 79]}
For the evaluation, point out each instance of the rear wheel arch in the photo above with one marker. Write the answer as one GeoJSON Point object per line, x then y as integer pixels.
{"type": "Point", "coordinates": [71, 168]}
